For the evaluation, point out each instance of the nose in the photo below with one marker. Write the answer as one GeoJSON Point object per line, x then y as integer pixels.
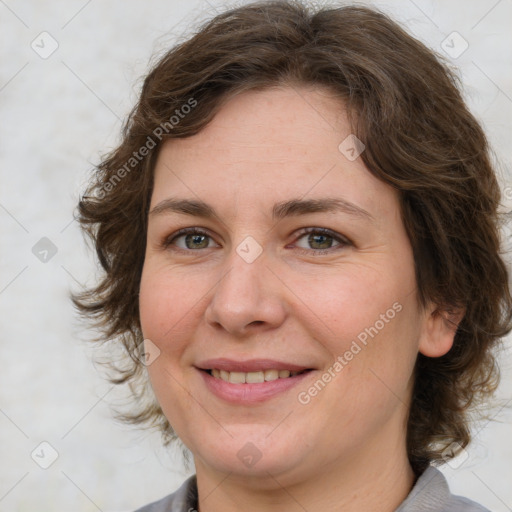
{"type": "Point", "coordinates": [248, 298]}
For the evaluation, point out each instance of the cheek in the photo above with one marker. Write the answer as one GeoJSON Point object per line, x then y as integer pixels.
{"type": "Point", "coordinates": [371, 337]}
{"type": "Point", "coordinates": [367, 316]}
{"type": "Point", "coordinates": [349, 300]}
{"type": "Point", "coordinates": [167, 300]}
{"type": "Point", "coordinates": [166, 308]}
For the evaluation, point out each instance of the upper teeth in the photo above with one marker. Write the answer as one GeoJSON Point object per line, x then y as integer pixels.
{"type": "Point", "coordinates": [252, 377]}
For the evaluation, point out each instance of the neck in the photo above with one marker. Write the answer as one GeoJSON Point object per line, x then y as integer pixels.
{"type": "Point", "coordinates": [377, 478]}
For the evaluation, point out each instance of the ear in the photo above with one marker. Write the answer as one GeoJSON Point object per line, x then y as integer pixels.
{"type": "Point", "coordinates": [440, 326]}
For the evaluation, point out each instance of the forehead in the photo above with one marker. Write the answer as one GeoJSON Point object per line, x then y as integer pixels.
{"type": "Point", "coordinates": [271, 145]}
{"type": "Point", "coordinates": [286, 120]}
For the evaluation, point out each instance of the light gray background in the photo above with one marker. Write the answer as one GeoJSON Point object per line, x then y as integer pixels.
{"type": "Point", "coordinates": [57, 115]}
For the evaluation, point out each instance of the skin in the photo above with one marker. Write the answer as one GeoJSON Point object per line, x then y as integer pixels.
{"type": "Point", "coordinates": [345, 449]}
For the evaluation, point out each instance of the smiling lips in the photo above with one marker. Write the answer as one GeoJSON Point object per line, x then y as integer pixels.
{"type": "Point", "coordinates": [261, 378]}
{"type": "Point", "coordinates": [252, 377]}
{"type": "Point", "coordinates": [252, 366]}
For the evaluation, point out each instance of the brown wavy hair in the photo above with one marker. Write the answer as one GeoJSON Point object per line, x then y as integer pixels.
{"type": "Point", "coordinates": [405, 104]}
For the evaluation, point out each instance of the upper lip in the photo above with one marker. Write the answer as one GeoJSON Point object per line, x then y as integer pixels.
{"type": "Point", "coordinates": [250, 365]}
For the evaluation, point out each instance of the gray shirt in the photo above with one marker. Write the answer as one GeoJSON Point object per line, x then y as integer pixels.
{"type": "Point", "coordinates": [429, 494]}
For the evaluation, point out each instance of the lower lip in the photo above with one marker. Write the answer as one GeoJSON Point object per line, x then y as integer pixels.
{"type": "Point", "coordinates": [250, 393]}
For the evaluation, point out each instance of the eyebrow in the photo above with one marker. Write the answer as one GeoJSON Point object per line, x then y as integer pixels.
{"type": "Point", "coordinates": [325, 205]}
{"type": "Point", "coordinates": [291, 208]}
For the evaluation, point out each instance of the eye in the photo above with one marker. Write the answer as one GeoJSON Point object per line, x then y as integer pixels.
{"type": "Point", "coordinates": [320, 240]}
{"type": "Point", "coordinates": [190, 239]}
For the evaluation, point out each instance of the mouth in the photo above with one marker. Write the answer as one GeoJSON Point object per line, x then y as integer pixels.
{"type": "Point", "coordinates": [253, 377]}
{"type": "Point", "coordinates": [250, 382]}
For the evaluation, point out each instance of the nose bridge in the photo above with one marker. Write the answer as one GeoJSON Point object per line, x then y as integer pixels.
{"type": "Point", "coordinates": [245, 295]}
{"type": "Point", "coordinates": [241, 283]}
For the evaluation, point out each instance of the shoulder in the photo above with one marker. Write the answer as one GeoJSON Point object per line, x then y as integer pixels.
{"type": "Point", "coordinates": [462, 504]}
{"type": "Point", "coordinates": [182, 500]}
{"type": "Point", "coordinates": [432, 494]}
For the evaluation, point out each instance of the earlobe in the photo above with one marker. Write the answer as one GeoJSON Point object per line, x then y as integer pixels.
{"type": "Point", "coordinates": [439, 331]}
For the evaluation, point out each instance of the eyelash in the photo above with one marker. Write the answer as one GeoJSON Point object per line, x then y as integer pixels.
{"type": "Point", "coordinates": [341, 240]}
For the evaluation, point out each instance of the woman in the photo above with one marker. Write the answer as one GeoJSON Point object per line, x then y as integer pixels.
{"type": "Point", "coordinates": [301, 252]}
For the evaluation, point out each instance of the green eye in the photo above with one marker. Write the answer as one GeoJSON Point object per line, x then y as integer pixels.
{"type": "Point", "coordinates": [190, 239]}
{"type": "Point", "coordinates": [196, 241]}
{"type": "Point", "coordinates": [320, 239]}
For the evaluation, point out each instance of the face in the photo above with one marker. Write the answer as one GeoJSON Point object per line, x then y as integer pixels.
{"type": "Point", "coordinates": [271, 247]}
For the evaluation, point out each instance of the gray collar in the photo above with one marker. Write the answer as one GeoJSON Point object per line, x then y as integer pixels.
{"type": "Point", "coordinates": [429, 494]}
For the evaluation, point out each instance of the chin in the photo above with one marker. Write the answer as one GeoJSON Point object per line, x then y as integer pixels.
{"type": "Point", "coordinates": [253, 454]}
